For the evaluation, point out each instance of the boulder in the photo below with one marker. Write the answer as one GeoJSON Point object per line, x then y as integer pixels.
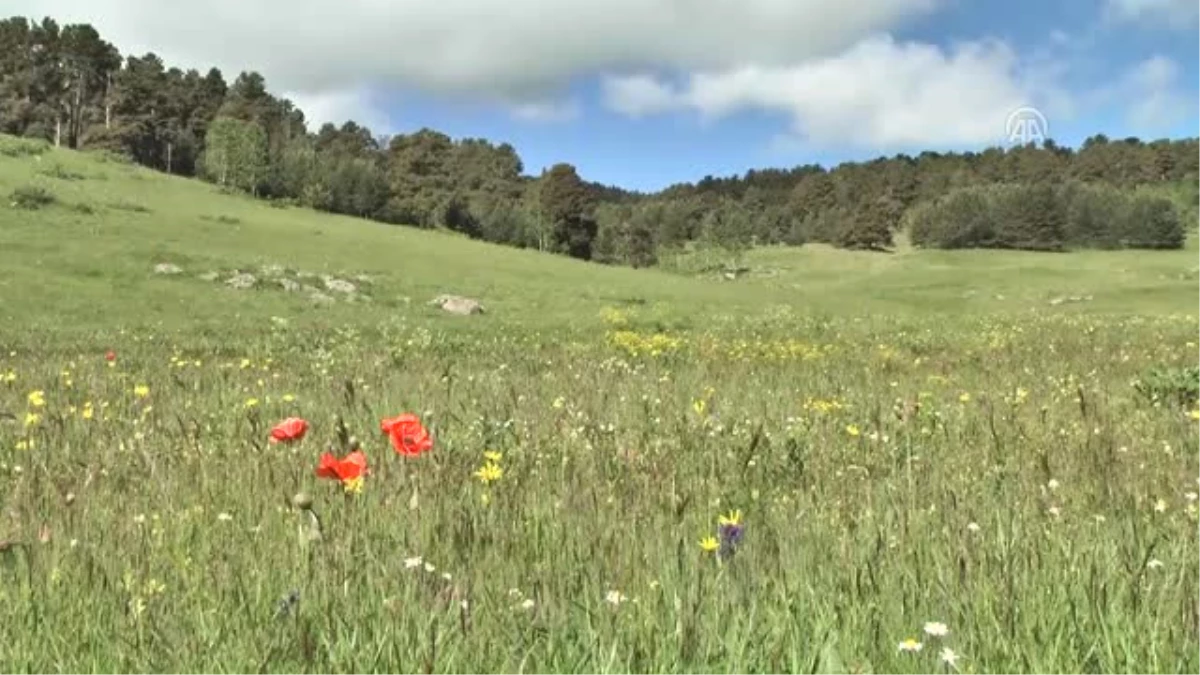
{"type": "Point", "coordinates": [457, 304]}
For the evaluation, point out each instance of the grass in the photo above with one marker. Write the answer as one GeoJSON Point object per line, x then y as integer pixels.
{"type": "Point", "coordinates": [901, 452]}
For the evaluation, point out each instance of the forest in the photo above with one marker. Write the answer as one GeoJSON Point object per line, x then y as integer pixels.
{"type": "Point", "coordinates": [66, 84]}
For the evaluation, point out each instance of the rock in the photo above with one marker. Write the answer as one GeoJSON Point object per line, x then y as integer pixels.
{"type": "Point", "coordinates": [1057, 301]}
{"type": "Point", "coordinates": [319, 297]}
{"type": "Point", "coordinates": [209, 276]}
{"type": "Point", "coordinates": [362, 278]}
{"type": "Point", "coordinates": [456, 304]}
{"type": "Point", "coordinates": [339, 285]}
{"type": "Point", "coordinates": [167, 268]}
{"type": "Point", "coordinates": [241, 281]}
{"type": "Point", "coordinates": [289, 285]}
{"type": "Point", "coordinates": [271, 270]}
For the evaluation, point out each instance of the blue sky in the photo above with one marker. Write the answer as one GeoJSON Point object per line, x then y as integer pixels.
{"type": "Point", "coordinates": [645, 93]}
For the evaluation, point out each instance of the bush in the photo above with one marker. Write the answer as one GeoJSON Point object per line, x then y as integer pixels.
{"type": "Point", "coordinates": [1151, 222]}
{"type": "Point", "coordinates": [1044, 217]}
{"type": "Point", "coordinates": [32, 197]}
{"type": "Point", "coordinates": [23, 147]}
{"type": "Point", "coordinates": [62, 173]}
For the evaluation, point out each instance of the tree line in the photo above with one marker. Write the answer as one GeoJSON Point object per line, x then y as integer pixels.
{"type": "Point", "coordinates": [68, 85]}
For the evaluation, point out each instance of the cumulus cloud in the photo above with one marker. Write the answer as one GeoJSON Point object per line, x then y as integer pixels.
{"type": "Point", "coordinates": [518, 50]}
{"type": "Point", "coordinates": [1180, 14]}
{"type": "Point", "coordinates": [1151, 94]}
{"type": "Point", "coordinates": [336, 106]}
{"type": "Point", "coordinates": [545, 111]}
{"type": "Point", "coordinates": [878, 94]}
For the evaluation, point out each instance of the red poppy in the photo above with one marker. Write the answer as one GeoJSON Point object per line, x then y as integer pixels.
{"type": "Point", "coordinates": [110, 355]}
{"type": "Point", "coordinates": [408, 436]}
{"type": "Point", "coordinates": [291, 429]}
{"type": "Point", "coordinates": [348, 468]}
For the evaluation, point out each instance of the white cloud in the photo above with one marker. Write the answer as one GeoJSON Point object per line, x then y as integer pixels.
{"type": "Point", "coordinates": [879, 94]}
{"type": "Point", "coordinates": [636, 95]}
{"type": "Point", "coordinates": [545, 111]}
{"type": "Point", "coordinates": [1179, 14]}
{"type": "Point", "coordinates": [515, 50]}
{"type": "Point", "coordinates": [1150, 94]}
{"type": "Point", "coordinates": [339, 105]}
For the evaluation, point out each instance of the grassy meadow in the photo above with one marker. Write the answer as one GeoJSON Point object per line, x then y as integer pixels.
{"type": "Point", "coordinates": [942, 461]}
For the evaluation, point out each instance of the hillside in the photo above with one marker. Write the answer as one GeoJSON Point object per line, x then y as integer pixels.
{"type": "Point", "coordinates": [86, 262]}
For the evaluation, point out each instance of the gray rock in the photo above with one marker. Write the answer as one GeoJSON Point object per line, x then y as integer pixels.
{"type": "Point", "coordinates": [167, 268]}
{"type": "Point", "coordinates": [456, 304]}
{"type": "Point", "coordinates": [339, 285]}
{"type": "Point", "coordinates": [242, 281]}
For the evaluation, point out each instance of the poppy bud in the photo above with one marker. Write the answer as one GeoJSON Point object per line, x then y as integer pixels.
{"type": "Point", "coordinates": [353, 444]}
{"type": "Point", "coordinates": [70, 498]}
{"type": "Point", "coordinates": [302, 501]}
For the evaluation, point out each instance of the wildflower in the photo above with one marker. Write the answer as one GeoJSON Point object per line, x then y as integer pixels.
{"type": "Point", "coordinates": [10, 376]}
{"type": "Point", "coordinates": [141, 391]}
{"type": "Point", "coordinates": [353, 486]}
{"type": "Point", "coordinates": [430, 568]}
{"type": "Point", "coordinates": [852, 429]}
{"type": "Point", "coordinates": [88, 412]}
{"type": "Point", "coordinates": [1154, 563]}
{"type": "Point", "coordinates": [614, 597]}
{"type": "Point", "coordinates": [290, 429]}
{"type": "Point", "coordinates": [1054, 511]}
{"type": "Point", "coordinates": [527, 604]}
{"type": "Point", "coordinates": [408, 436]}
{"type": "Point", "coordinates": [730, 531]}
{"type": "Point", "coordinates": [493, 456]}
{"type": "Point", "coordinates": [1160, 506]}
{"type": "Point", "coordinates": [709, 544]}
{"type": "Point", "coordinates": [288, 398]}
{"type": "Point", "coordinates": [245, 363]}
{"type": "Point", "coordinates": [37, 398]}
{"type": "Point", "coordinates": [936, 629]}
{"type": "Point", "coordinates": [964, 397]}
{"type": "Point", "coordinates": [1052, 484]}
{"type": "Point", "coordinates": [110, 356]}
{"type": "Point", "coordinates": [948, 657]}
{"type": "Point", "coordinates": [973, 527]}
{"type": "Point", "coordinates": [489, 472]}
{"type": "Point", "coordinates": [224, 517]}
{"type": "Point", "coordinates": [352, 466]}
{"type": "Point", "coordinates": [1194, 414]}
{"type": "Point", "coordinates": [410, 563]}
{"type": "Point", "coordinates": [32, 418]}
{"type": "Point", "coordinates": [910, 645]}
{"type": "Point", "coordinates": [251, 403]}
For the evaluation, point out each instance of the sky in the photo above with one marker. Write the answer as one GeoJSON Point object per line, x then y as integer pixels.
{"type": "Point", "coordinates": [642, 94]}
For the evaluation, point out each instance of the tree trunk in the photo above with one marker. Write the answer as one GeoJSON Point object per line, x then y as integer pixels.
{"type": "Point", "coordinates": [58, 129]}
{"type": "Point", "coordinates": [170, 147]}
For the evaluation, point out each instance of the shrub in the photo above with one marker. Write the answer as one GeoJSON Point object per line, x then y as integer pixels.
{"type": "Point", "coordinates": [62, 173]}
{"type": "Point", "coordinates": [32, 197]}
{"type": "Point", "coordinates": [1150, 221]}
{"type": "Point", "coordinates": [961, 219]}
{"type": "Point", "coordinates": [23, 147]}
{"type": "Point", "coordinates": [1180, 386]}
{"type": "Point", "coordinates": [125, 205]}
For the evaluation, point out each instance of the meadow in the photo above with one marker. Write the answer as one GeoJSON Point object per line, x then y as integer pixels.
{"type": "Point", "coordinates": [934, 462]}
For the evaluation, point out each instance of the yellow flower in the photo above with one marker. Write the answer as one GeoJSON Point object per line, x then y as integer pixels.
{"type": "Point", "coordinates": [852, 429]}
{"type": "Point", "coordinates": [251, 402]}
{"type": "Point", "coordinates": [141, 391]}
{"type": "Point", "coordinates": [489, 472]}
{"type": "Point", "coordinates": [10, 376]}
{"type": "Point", "coordinates": [709, 544]}
{"type": "Point", "coordinates": [964, 397]}
{"type": "Point", "coordinates": [734, 518]}
{"type": "Point", "coordinates": [245, 363]}
{"type": "Point", "coordinates": [353, 486]}
{"type": "Point", "coordinates": [1195, 414]}
{"type": "Point", "coordinates": [32, 418]}
{"type": "Point", "coordinates": [910, 645]}
{"type": "Point", "coordinates": [493, 456]}
{"type": "Point", "coordinates": [88, 412]}
{"type": "Point", "coordinates": [699, 405]}
{"type": "Point", "coordinates": [37, 398]}
{"type": "Point", "coordinates": [288, 398]}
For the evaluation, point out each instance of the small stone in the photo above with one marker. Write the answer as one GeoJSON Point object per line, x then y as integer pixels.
{"type": "Point", "coordinates": [167, 268]}
{"type": "Point", "coordinates": [339, 285]}
{"type": "Point", "coordinates": [242, 281]}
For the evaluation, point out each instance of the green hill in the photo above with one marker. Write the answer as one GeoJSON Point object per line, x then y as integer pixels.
{"type": "Point", "coordinates": [800, 468]}
{"type": "Point", "coordinates": [85, 261]}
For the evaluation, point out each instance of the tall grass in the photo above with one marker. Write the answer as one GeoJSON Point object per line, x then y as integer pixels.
{"type": "Point", "coordinates": [1003, 478]}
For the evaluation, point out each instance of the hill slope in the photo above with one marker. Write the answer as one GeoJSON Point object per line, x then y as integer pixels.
{"type": "Point", "coordinates": [86, 261]}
